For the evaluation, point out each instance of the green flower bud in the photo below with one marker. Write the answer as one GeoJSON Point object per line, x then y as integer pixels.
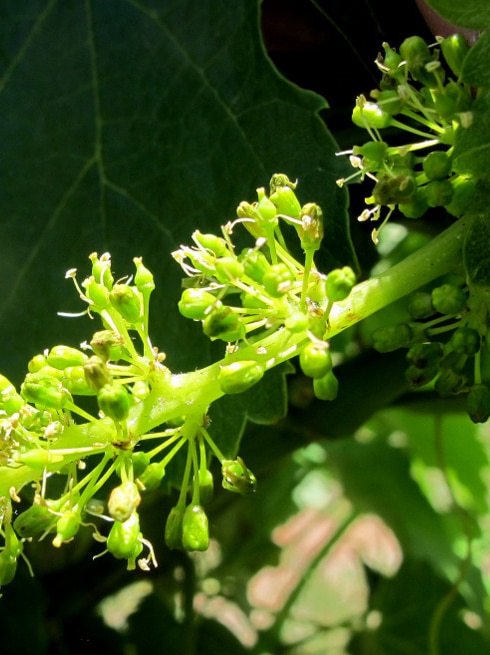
{"type": "Point", "coordinates": [195, 529]}
{"type": "Point", "coordinates": [419, 377]}
{"type": "Point", "coordinates": [174, 527]}
{"type": "Point", "coordinates": [222, 323]}
{"type": "Point", "coordinates": [296, 322]}
{"type": "Point", "coordinates": [439, 193]}
{"type": "Point", "coordinates": [415, 51]}
{"type": "Point", "coordinates": [278, 280]}
{"type": "Point", "coordinates": [123, 501]}
{"type": "Point", "coordinates": [390, 190]}
{"type": "Point", "coordinates": [326, 387]}
{"type": "Point", "coordinates": [206, 486]}
{"type": "Point", "coordinates": [237, 477]}
{"type": "Point", "coordinates": [67, 527]}
{"type": "Point", "coordinates": [75, 381]}
{"type": "Point", "coordinates": [140, 390]}
{"type": "Point", "coordinates": [389, 338]}
{"type": "Point", "coordinates": [373, 155]}
{"type": "Point", "coordinates": [315, 359]}
{"type": "Point", "coordinates": [255, 264]}
{"type": "Point", "coordinates": [196, 303]}
{"type": "Point", "coordinates": [152, 476]}
{"type": "Point", "coordinates": [390, 101]}
{"type": "Point", "coordinates": [127, 301]}
{"type": "Point", "coordinates": [101, 269]}
{"type": "Point", "coordinates": [35, 521]}
{"type": "Point", "coordinates": [449, 299]}
{"type": "Point", "coordinates": [450, 382]}
{"type": "Point", "coordinates": [279, 180]}
{"type": "Point", "coordinates": [465, 341]}
{"type": "Point", "coordinates": [425, 355]}
{"type": "Point", "coordinates": [108, 345]}
{"type": "Point", "coordinates": [143, 278]}
{"type": "Point", "coordinates": [339, 283]}
{"type": "Point", "coordinates": [420, 305]}
{"type": "Point", "coordinates": [416, 205]}
{"type": "Point", "coordinates": [228, 269]}
{"type": "Point", "coordinates": [37, 363]}
{"type": "Point", "coordinates": [44, 391]}
{"type": "Point", "coordinates": [62, 356]}
{"type": "Point", "coordinates": [445, 105]}
{"type": "Point", "coordinates": [10, 400]}
{"type": "Point", "coordinates": [286, 201]}
{"type": "Point", "coordinates": [478, 403]}
{"type": "Point", "coordinates": [311, 230]}
{"type": "Point", "coordinates": [237, 377]}
{"type": "Point", "coordinates": [455, 48]}
{"type": "Point", "coordinates": [123, 538]}
{"type": "Point", "coordinates": [247, 210]}
{"type": "Point", "coordinates": [437, 165]}
{"type": "Point", "coordinates": [391, 63]}
{"type": "Point", "coordinates": [114, 401]}
{"type": "Point", "coordinates": [97, 293]}
{"type": "Point", "coordinates": [140, 461]}
{"type": "Point", "coordinates": [370, 115]}
{"type": "Point", "coordinates": [217, 245]}
{"type": "Point", "coordinates": [96, 373]}
{"type": "Point", "coordinates": [266, 208]}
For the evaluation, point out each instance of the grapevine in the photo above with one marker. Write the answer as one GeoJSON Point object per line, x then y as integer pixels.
{"type": "Point", "coordinates": [110, 419]}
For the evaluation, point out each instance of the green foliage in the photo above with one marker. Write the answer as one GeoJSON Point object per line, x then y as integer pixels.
{"type": "Point", "coordinates": [358, 515]}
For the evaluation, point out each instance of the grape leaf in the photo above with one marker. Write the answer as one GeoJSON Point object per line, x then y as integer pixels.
{"type": "Point", "coordinates": [475, 65]}
{"type": "Point", "coordinates": [126, 125]}
{"type": "Point", "coordinates": [470, 13]}
{"type": "Point", "coordinates": [472, 143]}
{"type": "Point", "coordinates": [475, 252]}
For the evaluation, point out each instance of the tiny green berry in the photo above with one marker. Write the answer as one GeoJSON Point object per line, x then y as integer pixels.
{"type": "Point", "coordinates": [114, 401]}
{"type": "Point", "coordinates": [315, 359]}
{"type": "Point", "coordinates": [195, 529]}
{"type": "Point", "coordinates": [123, 537]}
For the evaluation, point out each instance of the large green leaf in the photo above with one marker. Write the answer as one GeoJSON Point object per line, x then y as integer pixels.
{"type": "Point", "coordinates": [470, 13]}
{"type": "Point", "coordinates": [125, 126]}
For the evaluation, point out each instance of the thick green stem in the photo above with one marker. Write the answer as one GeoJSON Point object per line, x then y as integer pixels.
{"type": "Point", "coordinates": [440, 256]}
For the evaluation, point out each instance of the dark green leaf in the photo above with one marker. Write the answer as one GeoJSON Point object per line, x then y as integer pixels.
{"type": "Point", "coordinates": [470, 13]}
{"type": "Point", "coordinates": [472, 143]}
{"type": "Point", "coordinates": [476, 70]}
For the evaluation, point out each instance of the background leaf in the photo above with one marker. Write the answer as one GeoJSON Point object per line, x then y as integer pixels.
{"type": "Point", "coordinates": [473, 13]}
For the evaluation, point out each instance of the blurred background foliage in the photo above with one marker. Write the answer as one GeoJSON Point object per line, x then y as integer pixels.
{"type": "Point", "coordinates": [125, 126]}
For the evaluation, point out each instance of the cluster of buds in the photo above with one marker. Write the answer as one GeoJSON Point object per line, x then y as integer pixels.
{"type": "Point", "coordinates": [446, 339]}
{"type": "Point", "coordinates": [262, 299]}
{"type": "Point", "coordinates": [244, 297]}
{"type": "Point", "coordinates": [421, 93]}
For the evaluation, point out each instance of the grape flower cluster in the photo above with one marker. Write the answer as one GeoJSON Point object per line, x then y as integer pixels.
{"type": "Point", "coordinates": [109, 417]}
{"type": "Point", "coordinates": [420, 95]}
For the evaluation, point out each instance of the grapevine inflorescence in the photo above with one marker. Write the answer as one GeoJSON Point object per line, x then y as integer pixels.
{"type": "Point", "coordinates": [422, 96]}
{"type": "Point", "coordinates": [261, 302]}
